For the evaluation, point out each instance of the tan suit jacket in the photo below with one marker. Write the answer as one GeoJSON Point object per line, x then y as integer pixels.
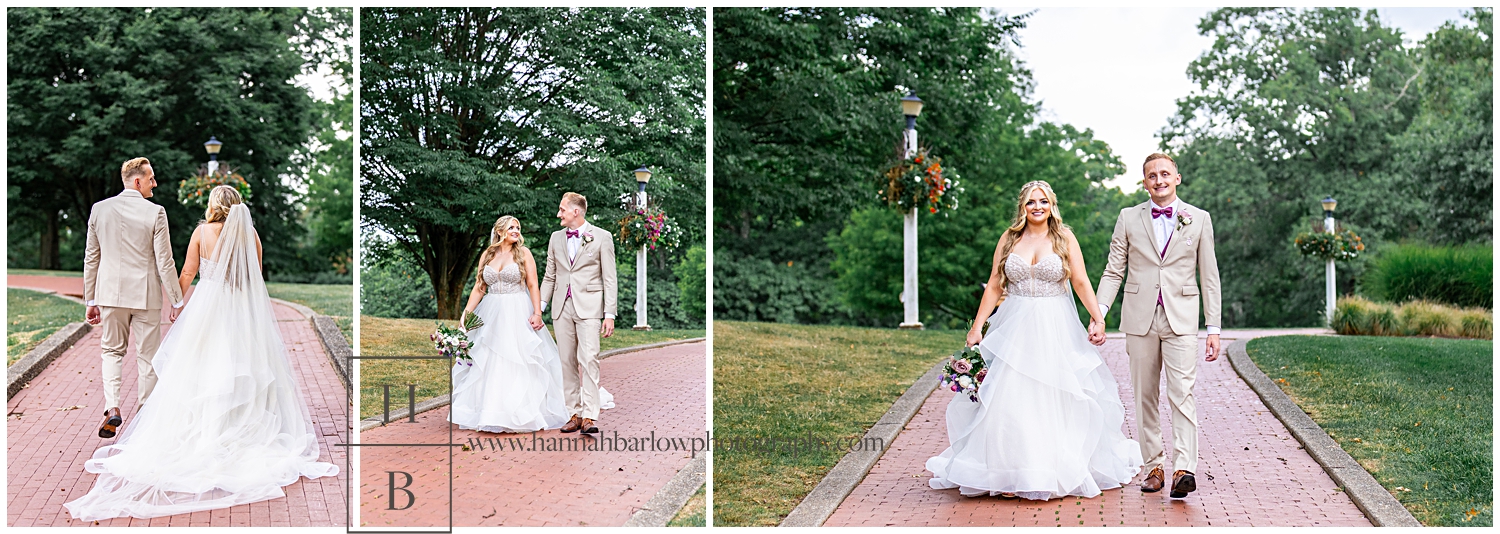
{"type": "Point", "coordinates": [128, 259]}
{"type": "Point", "coordinates": [590, 275]}
{"type": "Point", "coordinates": [1187, 272]}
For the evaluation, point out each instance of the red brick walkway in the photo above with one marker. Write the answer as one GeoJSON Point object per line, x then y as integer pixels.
{"type": "Point", "coordinates": [660, 391]}
{"type": "Point", "coordinates": [47, 444]}
{"type": "Point", "coordinates": [1252, 472]}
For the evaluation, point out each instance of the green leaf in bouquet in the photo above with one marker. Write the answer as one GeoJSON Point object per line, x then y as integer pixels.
{"type": "Point", "coordinates": [472, 321]}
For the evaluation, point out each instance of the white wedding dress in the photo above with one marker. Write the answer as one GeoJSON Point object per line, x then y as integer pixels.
{"type": "Point", "coordinates": [226, 424]}
{"type": "Point", "coordinates": [515, 384]}
{"type": "Point", "coordinates": [1048, 421]}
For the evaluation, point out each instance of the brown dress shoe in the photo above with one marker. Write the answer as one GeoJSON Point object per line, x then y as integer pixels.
{"type": "Point", "coordinates": [1183, 483]}
{"type": "Point", "coordinates": [588, 427]}
{"type": "Point", "coordinates": [1154, 481]}
{"type": "Point", "coordinates": [112, 422]}
{"type": "Point", "coordinates": [573, 424]}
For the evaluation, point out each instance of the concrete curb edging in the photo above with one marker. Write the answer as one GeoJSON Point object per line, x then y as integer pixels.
{"type": "Point", "coordinates": [438, 402]}
{"type": "Point", "coordinates": [852, 468]}
{"type": "Point", "coordinates": [670, 499]}
{"type": "Point", "coordinates": [28, 367]}
{"type": "Point", "coordinates": [334, 343]}
{"type": "Point", "coordinates": [328, 332]}
{"type": "Point", "coordinates": [304, 310]}
{"type": "Point", "coordinates": [1379, 506]}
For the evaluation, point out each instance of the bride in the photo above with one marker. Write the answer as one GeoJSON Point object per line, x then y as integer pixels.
{"type": "Point", "coordinates": [515, 382]}
{"type": "Point", "coordinates": [1048, 419]}
{"type": "Point", "coordinates": [226, 424]}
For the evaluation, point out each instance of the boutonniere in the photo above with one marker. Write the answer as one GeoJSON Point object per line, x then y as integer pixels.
{"type": "Point", "coordinates": [1183, 219]}
{"type": "Point", "coordinates": [587, 237]}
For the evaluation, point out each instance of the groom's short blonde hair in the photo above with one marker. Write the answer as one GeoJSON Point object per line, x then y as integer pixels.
{"type": "Point", "coordinates": [133, 169]}
{"type": "Point", "coordinates": [1156, 156]}
{"type": "Point", "coordinates": [576, 200]}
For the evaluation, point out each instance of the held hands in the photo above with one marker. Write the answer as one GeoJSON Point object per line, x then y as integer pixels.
{"type": "Point", "coordinates": [536, 321]}
{"type": "Point", "coordinates": [92, 315]}
{"type": "Point", "coordinates": [608, 329]}
{"type": "Point", "coordinates": [1096, 333]}
{"type": "Point", "coordinates": [1212, 348]}
{"type": "Point", "coordinates": [172, 314]}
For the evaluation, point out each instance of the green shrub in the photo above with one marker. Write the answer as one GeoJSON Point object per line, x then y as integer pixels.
{"type": "Point", "coordinates": [1460, 276]}
{"type": "Point", "coordinates": [691, 282]}
{"type": "Point", "coordinates": [755, 289]}
{"type": "Point", "coordinates": [1357, 316]}
{"type": "Point", "coordinates": [396, 290]}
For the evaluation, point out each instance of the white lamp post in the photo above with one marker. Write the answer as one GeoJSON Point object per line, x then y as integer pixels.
{"type": "Point", "coordinates": [911, 107]}
{"type": "Point", "coordinates": [642, 176]}
{"type": "Point", "coordinates": [1329, 204]}
{"type": "Point", "coordinates": [212, 146]}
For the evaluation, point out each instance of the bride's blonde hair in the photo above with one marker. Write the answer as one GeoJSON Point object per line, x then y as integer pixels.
{"type": "Point", "coordinates": [497, 242]}
{"type": "Point", "coordinates": [220, 199]}
{"type": "Point", "coordinates": [1055, 229]}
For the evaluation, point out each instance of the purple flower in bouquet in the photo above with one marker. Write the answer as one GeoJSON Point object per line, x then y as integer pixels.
{"type": "Point", "coordinates": [980, 377]}
{"type": "Point", "coordinates": [961, 366]}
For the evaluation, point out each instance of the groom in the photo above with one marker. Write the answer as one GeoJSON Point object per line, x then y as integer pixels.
{"type": "Point", "coordinates": [581, 279]}
{"type": "Point", "coordinates": [126, 265]}
{"type": "Point", "coordinates": [1167, 246]}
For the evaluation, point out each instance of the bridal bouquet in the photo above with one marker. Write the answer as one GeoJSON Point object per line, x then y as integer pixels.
{"type": "Point", "coordinates": [964, 372]}
{"type": "Point", "coordinates": [453, 342]}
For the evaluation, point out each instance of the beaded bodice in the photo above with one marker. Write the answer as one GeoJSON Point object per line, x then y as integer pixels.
{"type": "Point", "coordinates": [505, 280]}
{"type": "Point", "coordinates": [1045, 279]}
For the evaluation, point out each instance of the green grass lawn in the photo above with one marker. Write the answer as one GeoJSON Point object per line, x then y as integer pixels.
{"type": "Point", "coordinates": [691, 514]}
{"type": "Point", "coordinates": [379, 336]}
{"type": "Point", "coordinates": [39, 272]}
{"type": "Point", "coordinates": [789, 381]}
{"type": "Point", "coordinates": [1415, 412]}
{"type": "Point", "coordinates": [333, 300]}
{"type": "Point", "coordinates": [33, 316]}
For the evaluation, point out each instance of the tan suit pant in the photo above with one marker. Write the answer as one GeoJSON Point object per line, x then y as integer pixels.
{"type": "Point", "coordinates": [119, 324]}
{"type": "Point", "coordinates": [578, 347]}
{"type": "Point", "coordinates": [1178, 354]}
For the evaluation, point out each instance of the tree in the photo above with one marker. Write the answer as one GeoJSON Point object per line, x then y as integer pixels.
{"type": "Point", "coordinates": [1447, 153]}
{"type": "Point", "coordinates": [469, 114]}
{"type": "Point", "coordinates": [806, 116]}
{"type": "Point", "coordinates": [330, 180]}
{"type": "Point", "coordinates": [1294, 105]}
{"type": "Point", "coordinates": [92, 88]}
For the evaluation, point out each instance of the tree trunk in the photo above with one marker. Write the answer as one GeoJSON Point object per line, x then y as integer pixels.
{"type": "Point", "coordinates": [448, 257]}
{"type": "Point", "coordinates": [49, 257]}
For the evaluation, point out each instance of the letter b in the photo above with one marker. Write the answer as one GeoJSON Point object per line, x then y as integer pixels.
{"type": "Point", "coordinates": [410, 498]}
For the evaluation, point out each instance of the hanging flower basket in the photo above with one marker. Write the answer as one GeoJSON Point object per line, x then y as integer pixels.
{"type": "Point", "coordinates": [920, 182]}
{"type": "Point", "coordinates": [649, 227]}
{"type": "Point", "coordinates": [193, 192]}
{"type": "Point", "coordinates": [1325, 246]}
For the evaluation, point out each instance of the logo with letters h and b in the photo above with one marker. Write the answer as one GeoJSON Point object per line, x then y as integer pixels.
{"type": "Point", "coordinates": [402, 460]}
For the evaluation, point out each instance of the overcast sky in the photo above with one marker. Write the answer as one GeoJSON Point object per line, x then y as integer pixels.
{"type": "Point", "coordinates": [1088, 65]}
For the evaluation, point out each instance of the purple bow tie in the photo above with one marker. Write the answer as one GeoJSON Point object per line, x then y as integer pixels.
{"type": "Point", "coordinates": [572, 233]}
{"type": "Point", "coordinates": [1159, 212]}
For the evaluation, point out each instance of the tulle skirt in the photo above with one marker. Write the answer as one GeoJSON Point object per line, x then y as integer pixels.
{"type": "Point", "coordinates": [1048, 421]}
{"type": "Point", "coordinates": [225, 425]}
{"type": "Point", "coordinates": [515, 384]}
